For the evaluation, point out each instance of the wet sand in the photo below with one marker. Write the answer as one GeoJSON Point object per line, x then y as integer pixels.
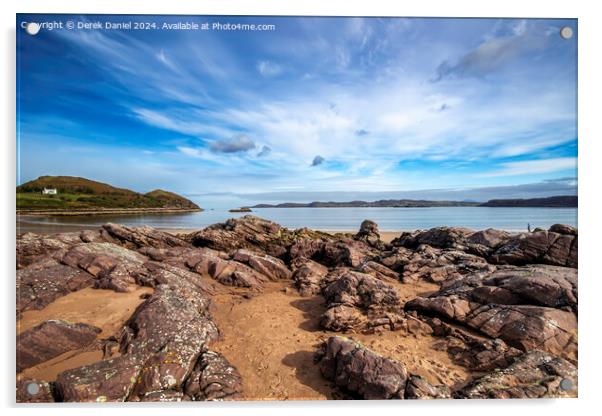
{"type": "Point", "coordinates": [105, 309]}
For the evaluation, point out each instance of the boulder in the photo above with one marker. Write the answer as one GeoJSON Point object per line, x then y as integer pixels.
{"type": "Point", "coordinates": [51, 339]}
{"type": "Point", "coordinates": [137, 237]}
{"type": "Point", "coordinates": [433, 264]}
{"type": "Point", "coordinates": [271, 267]}
{"type": "Point", "coordinates": [213, 378]}
{"type": "Point", "coordinates": [369, 234]}
{"type": "Point", "coordinates": [359, 301]}
{"type": "Point", "coordinates": [507, 305]}
{"type": "Point", "coordinates": [248, 232]}
{"type": "Point", "coordinates": [361, 372]}
{"type": "Point", "coordinates": [104, 381]}
{"type": "Point", "coordinates": [308, 276]}
{"type": "Point", "coordinates": [544, 247]}
{"type": "Point", "coordinates": [534, 374]}
{"type": "Point", "coordinates": [418, 388]}
{"type": "Point", "coordinates": [40, 283]}
{"type": "Point", "coordinates": [439, 237]}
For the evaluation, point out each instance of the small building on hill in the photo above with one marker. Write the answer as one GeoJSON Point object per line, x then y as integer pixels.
{"type": "Point", "coordinates": [49, 191]}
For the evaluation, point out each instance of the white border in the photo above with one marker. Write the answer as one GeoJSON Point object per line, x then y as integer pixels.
{"type": "Point", "coordinates": [590, 176]}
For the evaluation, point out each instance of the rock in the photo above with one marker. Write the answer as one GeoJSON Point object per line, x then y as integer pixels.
{"type": "Point", "coordinates": [362, 372]}
{"type": "Point", "coordinates": [308, 277]}
{"type": "Point", "coordinates": [498, 312]}
{"type": "Point", "coordinates": [51, 339]}
{"type": "Point", "coordinates": [362, 291]}
{"type": "Point", "coordinates": [341, 318]}
{"type": "Point", "coordinates": [41, 283]}
{"type": "Point", "coordinates": [213, 378]}
{"type": "Point", "coordinates": [167, 333]}
{"type": "Point", "coordinates": [136, 237]}
{"type": "Point", "coordinates": [233, 273]}
{"type": "Point", "coordinates": [379, 271]}
{"type": "Point", "coordinates": [545, 247]}
{"type": "Point", "coordinates": [439, 237]}
{"type": "Point", "coordinates": [269, 266]}
{"type": "Point", "coordinates": [563, 229]}
{"type": "Point", "coordinates": [104, 381]}
{"type": "Point", "coordinates": [475, 353]}
{"type": "Point", "coordinates": [418, 388]}
{"type": "Point", "coordinates": [34, 391]}
{"type": "Point", "coordinates": [248, 232]}
{"type": "Point", "coordinates": [32, 247]}
{"type": "Point", "coordinates": [360, 301]}
{"type": "Point", "coordinates": [369, 234]}
{"type": "Point", "coordinates": [434, 265]}
{"type": "Point", "coordinates": [483, 243]}
{"type": "Point", "coordinates": [551, 286]}
{"type": "Point", "coordinates": [535, 374]}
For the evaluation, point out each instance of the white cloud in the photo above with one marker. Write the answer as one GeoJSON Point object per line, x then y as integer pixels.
{"type": "Point", "coordinates": [268, 69]}
{"type": "Point", "coordinates": [534, 167]}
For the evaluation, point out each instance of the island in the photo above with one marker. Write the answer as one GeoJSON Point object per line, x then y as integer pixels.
{"type": "Point", "coordinates": [241, 209]}
{"type": "Point", "coordinates": [70, 195]}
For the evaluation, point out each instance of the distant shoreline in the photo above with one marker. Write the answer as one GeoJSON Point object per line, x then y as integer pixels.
{"type": "Point", "coordinates": [560, 201]}
{"type": "Point", "coordinates": [104, 211]}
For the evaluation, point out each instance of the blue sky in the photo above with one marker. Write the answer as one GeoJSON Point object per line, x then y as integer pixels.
{"type": "Point", "coordinates": [319, 108]}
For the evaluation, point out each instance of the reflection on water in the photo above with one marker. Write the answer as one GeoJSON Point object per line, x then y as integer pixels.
{"type": "Point", "coordinates": [333, 219]}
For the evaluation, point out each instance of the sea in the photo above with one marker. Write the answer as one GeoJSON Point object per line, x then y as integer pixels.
{"type": "Point", "coordinates": [328, 219]}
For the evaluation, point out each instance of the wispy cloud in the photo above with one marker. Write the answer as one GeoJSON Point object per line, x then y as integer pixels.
{"type": "Point", "coordinates": [533, 167]}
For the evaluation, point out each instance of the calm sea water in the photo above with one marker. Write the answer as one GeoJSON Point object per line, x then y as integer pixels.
{"type": "Point", "coordinates": [333, 219]}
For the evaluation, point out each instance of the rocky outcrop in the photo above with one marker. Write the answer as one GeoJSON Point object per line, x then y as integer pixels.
{"type": "Point", "coordinates": [366, 375]}
{"type": "Point", "coordinates": [470, 351]}
{"type": "Point", "coordinates": [433, 264]}
{"type": "Point", "coordinates": [359, 301]}
{"type": "Point", "coordinates": [362, 372]}
{"type": "Point", "coordinates": [138, 237]}
{"type": "Point", "coordinates": [439, 237]}
{"type": "Point", "coordinates": [51, 339]}
{"type": "Point", "coordinates": [369, 234]}
{"type": "Point", "coordinates": [213, 378]}
{"type": "Point", "coordinates": [507, 305]}
{"type": "Point", "coordinates": [308, 276]}
{"type": "Point", "coordinates": [42, 282]}
{"type": "Point", "coordinates": [504, 302]}
{"type": "Point", "coordinates": [248, 232]}
{"type": "Point", "coordinates": [104, 381]}
{"type": "Point", "coordinates": [544, 247]}
{"type": "Point", "coordinates": [535, 374]}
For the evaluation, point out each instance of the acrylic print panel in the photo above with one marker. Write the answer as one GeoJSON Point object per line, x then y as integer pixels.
{"type": "Point", "coordinates": [295, 208]}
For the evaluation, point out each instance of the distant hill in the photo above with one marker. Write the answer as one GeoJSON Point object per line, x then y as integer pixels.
{"type": "Point", "coordinates": [383, 203]}
{"type": "Point", "coordinates": [553, 201]}
{"type": "Point", "coordinates": [74, 193]}
{"type": "Point", "coordinates": [563, 201]}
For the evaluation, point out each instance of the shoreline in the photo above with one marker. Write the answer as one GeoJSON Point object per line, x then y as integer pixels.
{"type": "Point", "coordinates": [104, 211]}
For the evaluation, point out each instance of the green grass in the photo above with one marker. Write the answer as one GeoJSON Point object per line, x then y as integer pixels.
{"type": "Point", "coordinates": [81, 193]}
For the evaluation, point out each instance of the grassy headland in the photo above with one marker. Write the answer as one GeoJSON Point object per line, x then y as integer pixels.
{"type": "Point", "coordinates": [79, 195]}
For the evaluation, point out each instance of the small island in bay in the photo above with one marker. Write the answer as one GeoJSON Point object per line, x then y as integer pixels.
{"type": "Point", "coordinates": [241, 209]}
{"type": "Point", "coordinates": [70, 195]}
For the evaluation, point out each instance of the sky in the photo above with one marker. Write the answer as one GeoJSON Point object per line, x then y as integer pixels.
{"type": "Point", "coordinates": [313, 109]}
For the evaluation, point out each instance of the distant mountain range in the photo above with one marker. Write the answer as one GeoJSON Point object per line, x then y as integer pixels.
{"type": "Point", "coordinates": [74, 193]}
{"type": "Point", "coordinates": [553, 201]}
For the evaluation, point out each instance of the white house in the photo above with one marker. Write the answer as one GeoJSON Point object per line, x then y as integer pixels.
{"type": "Point", "coordinates": [49, 191]}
